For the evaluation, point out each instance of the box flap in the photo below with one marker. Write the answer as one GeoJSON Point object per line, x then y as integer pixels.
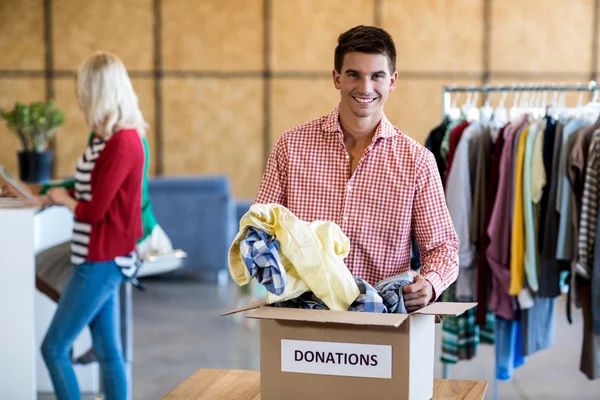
{"type": "Point", "coordinates": [326, 316]}
{"type": "Point", "coordinates": [446, 309]}
{"type": "Point", "coordinates": [247, 307]}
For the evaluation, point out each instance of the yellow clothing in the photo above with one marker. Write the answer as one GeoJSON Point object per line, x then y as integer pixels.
{"type": "Point", "coordinates": [312, 255]}
{"type": "Point", "coordinates": [517, 245]}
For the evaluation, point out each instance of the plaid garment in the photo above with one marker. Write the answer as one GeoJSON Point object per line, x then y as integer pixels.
{"type": "Point", "coordinates": [385, 297]}
{"type": "Point", "coordinates": [367, 301]}
{"type": "Point", "coordinates": [390, 290]}
{"type": "Point", "coordinates": [461, 335]}
{"type": "Point", "coordinates": [260, 253]}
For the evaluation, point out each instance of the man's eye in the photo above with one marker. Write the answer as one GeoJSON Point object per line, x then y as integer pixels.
{"type": "Point", "coordinates": [377, 76]}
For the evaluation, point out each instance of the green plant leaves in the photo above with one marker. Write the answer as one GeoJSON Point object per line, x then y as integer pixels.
{"type": "Point", "coordinates": [34, 124]}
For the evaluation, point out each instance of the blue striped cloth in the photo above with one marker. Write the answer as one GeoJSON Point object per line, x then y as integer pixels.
{"type": "Point", "coordinates": [367, 301]}
{"type": "Point", "coordinates": [260, 253]}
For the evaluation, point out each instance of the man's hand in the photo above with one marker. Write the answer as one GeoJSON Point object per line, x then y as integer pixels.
{"type": "Point", "coordinates": [418, 294]}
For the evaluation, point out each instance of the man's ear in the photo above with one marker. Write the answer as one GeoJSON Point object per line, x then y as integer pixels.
{"type": "Point", "coordinates": [336, 78]}
{"type": "Point", "coordinates": [394, 80]}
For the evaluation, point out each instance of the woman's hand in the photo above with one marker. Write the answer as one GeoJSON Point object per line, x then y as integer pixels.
{"type": "Point", "coordinates": [59, 196]}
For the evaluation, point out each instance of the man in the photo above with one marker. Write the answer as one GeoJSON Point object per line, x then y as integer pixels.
{"type": "Point", "coordinates": [355, 168]}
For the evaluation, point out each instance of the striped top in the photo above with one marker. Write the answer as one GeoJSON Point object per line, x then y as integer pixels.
{"type": "Point", "coordinates": [589, 211]}
{"type": "Point", "coordinates": [83, 193]}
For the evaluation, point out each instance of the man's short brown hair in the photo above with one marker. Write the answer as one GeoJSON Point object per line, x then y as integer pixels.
{"type": "Point", "coordinates": [365, 39]}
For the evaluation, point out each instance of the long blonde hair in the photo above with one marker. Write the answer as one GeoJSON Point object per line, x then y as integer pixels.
{"type": "Point", "coordinates": [106, 96]}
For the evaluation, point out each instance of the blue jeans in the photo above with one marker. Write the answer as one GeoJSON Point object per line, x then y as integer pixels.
{"type": "Point", "coordinates": [91, 297]}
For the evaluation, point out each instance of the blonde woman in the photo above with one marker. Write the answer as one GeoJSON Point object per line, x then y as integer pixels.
{"type": "Point", "coordinates": [106, 203]}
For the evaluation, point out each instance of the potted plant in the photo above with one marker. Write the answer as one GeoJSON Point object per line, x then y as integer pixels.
{"type": "Point", "coordinates": [34, 125]}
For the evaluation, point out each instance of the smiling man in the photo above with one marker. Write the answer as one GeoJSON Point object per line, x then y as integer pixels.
{"type": "Point", "coordinates": [355, 168]}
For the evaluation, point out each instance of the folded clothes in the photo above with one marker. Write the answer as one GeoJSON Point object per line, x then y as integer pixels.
{"type": "Point", "coordinates": [385, 297]}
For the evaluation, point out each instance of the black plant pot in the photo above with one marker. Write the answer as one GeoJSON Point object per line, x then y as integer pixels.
{"type": "Point", "coordinates": [35, 167]}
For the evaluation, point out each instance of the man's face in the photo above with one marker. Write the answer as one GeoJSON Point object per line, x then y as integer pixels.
{"type": "Point", "coordinates": [364, 83]}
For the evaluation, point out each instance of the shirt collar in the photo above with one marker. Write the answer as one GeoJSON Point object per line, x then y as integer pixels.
{"type": "Point", "coordinates": [385, 129]}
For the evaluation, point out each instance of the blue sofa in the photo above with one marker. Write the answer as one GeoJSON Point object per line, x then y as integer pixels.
{"type": "Point", "coordinates": [199, 215]}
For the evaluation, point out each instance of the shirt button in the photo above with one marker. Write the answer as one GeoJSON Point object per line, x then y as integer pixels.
{"type": "Point", "coordinates": [345, 218]}
{"type": "Point", "coordinates": [349, 187]}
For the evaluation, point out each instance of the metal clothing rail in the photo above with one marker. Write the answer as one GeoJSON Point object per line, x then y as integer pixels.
{"type": "Point", "coordinates": [447, 91]}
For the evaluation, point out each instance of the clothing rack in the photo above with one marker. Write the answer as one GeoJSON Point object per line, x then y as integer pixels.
{"type": "Point", "coordinates": [448, 90]}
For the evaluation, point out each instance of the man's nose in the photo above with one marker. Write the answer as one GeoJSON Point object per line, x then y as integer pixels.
{"type": "Point", "coordinates": [366, 85]}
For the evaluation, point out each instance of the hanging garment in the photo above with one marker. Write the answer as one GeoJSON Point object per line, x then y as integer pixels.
{"type": "Point", "coordinates": [445, 145]}
{"type": "Point", "coordinates": [459, 201]}
{"type": "Point", "coordinates": [483, 267]}
{"type": "Point", "coordinates": [534, 180]}
{"type": "Point", "coordinates": [312, 255]}
{"type": "Point", "coordinates": [589, 209]}
{"type": "Point", "coordinates": [538, 324]}
{"type": "Point", "coordinates": [509, 352]}
{"type": "Point", "coordinates": [590, 349]}
{"type": "Point", "coordinates": [548, 153]}
{"type": "Point", "coordinates": [596, 283]}
{"type": "Point", "coordinates": [454, 139]}
{"type": "Point", "coordinates": [517, 248]}
{"type": "Point", "coordinates": [499, 230]}
{"type": "Point", "coordinates": [588, 265]}
{"type": "Point", "coordinates": [549, 279]}
{"type": "Point", "coordinates": [434, 143]}
{"type": "Point", "coordinates": [564, 201]}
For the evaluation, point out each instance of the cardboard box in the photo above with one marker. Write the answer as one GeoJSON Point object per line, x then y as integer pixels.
{"type": "Point", "coordinates": [329, 355]}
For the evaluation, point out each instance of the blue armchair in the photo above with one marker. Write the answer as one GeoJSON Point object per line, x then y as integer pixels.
{"type": "Point", "coordinates": [199, 215]}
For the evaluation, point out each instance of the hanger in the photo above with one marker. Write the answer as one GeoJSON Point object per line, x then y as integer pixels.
{"type": "Point", "coordinates": [501, 113]}
{"type": "Point", "coordinates": [473, 110]}
{"type": "Point", "coordinates": [513, 113]}
{"type": "Point", "coordinates": [454, 113]}
{"type": "Point", "coordinates": [486, 112]}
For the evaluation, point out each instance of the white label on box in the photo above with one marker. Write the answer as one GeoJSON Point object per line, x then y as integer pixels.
{"type": "Point", "coordinates": [331, 358]}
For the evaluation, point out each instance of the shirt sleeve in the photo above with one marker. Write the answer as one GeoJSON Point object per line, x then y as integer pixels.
{"type": "Point", "coordinates": [111, 169]}
{"type": "Point", "coordinates": [273, 187]}
{"type": "Point", "coordinates": [433, 229]}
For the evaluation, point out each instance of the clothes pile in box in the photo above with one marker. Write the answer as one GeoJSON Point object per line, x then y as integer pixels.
{"type": "Point", "coordinates": [301, 265]}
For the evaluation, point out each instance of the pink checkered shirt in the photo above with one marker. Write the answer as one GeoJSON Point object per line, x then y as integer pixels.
{"type": "Point", "coordinates": [396, 188]}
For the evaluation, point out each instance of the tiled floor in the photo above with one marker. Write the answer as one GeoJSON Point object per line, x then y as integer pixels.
{"type": "Point", "coordinates": [178, 330]}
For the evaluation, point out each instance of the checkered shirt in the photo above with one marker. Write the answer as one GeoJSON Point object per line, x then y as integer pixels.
{"type": "Point", "coordinates": [396, 188]}
{"type": "Point", "coordinates": [260, 253]}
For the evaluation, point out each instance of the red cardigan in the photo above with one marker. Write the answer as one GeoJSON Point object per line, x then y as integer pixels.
{"type": "Point", "coordinates": [116, 206]}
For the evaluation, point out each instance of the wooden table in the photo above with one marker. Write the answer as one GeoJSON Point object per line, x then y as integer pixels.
{"type": "Point", "coordinates": [216, 384]}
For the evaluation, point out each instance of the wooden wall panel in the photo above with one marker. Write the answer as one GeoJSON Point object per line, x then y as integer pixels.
{"type": "Point", "coordinates": [21, 34]}
{"type": "Point", "coordinates": [415, 107]}
{"type": "Point", "coordinates": [215, 126]}
{"type": "Point", "coordinates": [12, 91]}
{"type": "Point", "coordinates": [436, 35]}
{"type": "Point", "coordinates": [540, 35]}
{"type": "Point", "coordinates": [213, 35]}
{"type": "Point", "coordinates": [305, 32]}
{"type": "Point", "coordinates": [144, 88]}
{"type": "Point", "coordinates": [72, 138]}
{"type": "Point", "coordinates": [296, 101]}
{"type": "Point", "coordinates": [124, 27]}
